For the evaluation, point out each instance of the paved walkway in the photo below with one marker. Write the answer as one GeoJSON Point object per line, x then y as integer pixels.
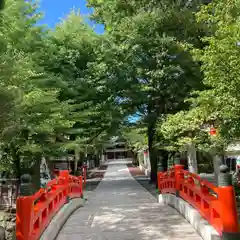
{"type": "Point", "coordinates": [121, 209]}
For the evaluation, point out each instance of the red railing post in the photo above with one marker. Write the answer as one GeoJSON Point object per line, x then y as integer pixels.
{"type": "Point", "coordinates": [216, 204]}
{"type": "Point", "coordinates": [177, 174]}
{"type": "Point", "coordinates": [81, 185]}
{"type": "Point", "coordinates": [24, 214]}
{"type": "Point", "coordinates": [24, 209]}
{"type": "Point", "coordinates": [65, 175]}
{"type": "Point", "coordinates": [229, 216]}
{"type": "Point", "coordinates": [227, 198]}
{"type": "Point", "coordinates": [35, 210]}
{"type": "Point", "coordinates": [84, 174]}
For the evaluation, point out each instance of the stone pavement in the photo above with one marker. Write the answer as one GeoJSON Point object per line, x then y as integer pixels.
{"type": "Point", "coordinates": [121, 209]}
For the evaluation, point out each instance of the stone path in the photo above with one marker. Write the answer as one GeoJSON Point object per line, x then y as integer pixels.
{"type": "Point", "coordinates": [121, 209]}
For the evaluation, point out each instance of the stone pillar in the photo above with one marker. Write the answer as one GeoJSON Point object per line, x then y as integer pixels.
{"type": "Point", "coordinates": [102, 159]}
{"type": "Point", "coordinates": [26, 187]}
{"type": "Point", "coordinates": [2, 233]}
{"type": "Point", "coordinates": [235, 177]}
{"type": "Point", "coordinates": [145, 158]}
{"type": "Point", "coordinates": [169, 162]}
{"type": "Point", "coordinates": [217, 162]}
{"type": "Point", "coordinates": [224, 177]}
{"type": "Point", "coordinates": [192, 158]}
{"type": "Point", "coordinates": [177, 159]}
{"type": "Point", "coordinates": [76, 160]}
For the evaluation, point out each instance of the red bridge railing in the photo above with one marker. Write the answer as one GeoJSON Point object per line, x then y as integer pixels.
{"type": "Point", "coordinates": [35, 212]}
{"type": "Point", "coordinates": [215, 204]}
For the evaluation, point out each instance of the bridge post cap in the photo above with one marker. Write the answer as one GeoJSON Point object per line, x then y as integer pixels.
{"type": "Point", "coordinates": [223, 168]}
{"type": "Point", "coordinates": [26, 188]}
{"type": "Point", "coordinates": [224, 177]}
{"type": "Point", "coordinates": [177, 159]}
{"type": "Point", "coordinates": [26, 178]}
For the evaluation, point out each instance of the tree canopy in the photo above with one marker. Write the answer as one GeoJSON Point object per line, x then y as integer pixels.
{"type": "Point", "coordinates": [217, 104]}
{"type": "Point", "coordinates": [173, 63]}
{"type": "Point", "coordinates": [55, 96]}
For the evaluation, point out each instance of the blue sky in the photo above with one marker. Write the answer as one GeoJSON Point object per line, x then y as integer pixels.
{"type": "Point", "coordinates": [55, 10]}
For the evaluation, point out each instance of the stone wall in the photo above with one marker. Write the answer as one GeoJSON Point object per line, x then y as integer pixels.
{"type": "Point", "coordinates": [8, 193]}
{"type": "Point", "coordinates": [7, 221]}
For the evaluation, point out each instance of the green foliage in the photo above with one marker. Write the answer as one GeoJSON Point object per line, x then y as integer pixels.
{"type": "Point", "coordinates": [220, 61]}
{"type": "Point", "coordinates": [54, 90]}
{"type": "Point", "coordinates": [154, 65]}
{"type": "Point", "coordinates": [218, 103]}
{"type": "Point", "coordinates": [136, 138]}
{"type": "Point", "coordinates": [69, 89]}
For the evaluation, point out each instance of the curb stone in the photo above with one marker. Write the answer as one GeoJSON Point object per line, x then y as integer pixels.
{"type": "Point", "coordinates": [55, 226]}
{"type": "Point", "coordinates": [202, 227]}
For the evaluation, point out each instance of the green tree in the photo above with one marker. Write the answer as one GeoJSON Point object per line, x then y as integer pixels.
{"type": "Point", "coordinates": [75, 57]}
{"type": "Point", "coordinates": [36, 115]}
{"type": "Point", "coordinates": [57, 99]}
{"type": "Point", "coordinates": [217, 104]}
{"type": "Point", "coordinates": [151, 40]}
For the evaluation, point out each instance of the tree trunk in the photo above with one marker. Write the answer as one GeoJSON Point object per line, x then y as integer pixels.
{"type": "Point", "coordinates": [2, 4]}
{"type": "Point", "coordinates": [164, 160]}
{"type": "Point", "coordinates": [102, 158]}
{"type": "Point", "coordinates": [170, 160]}
{"type": "Point", "coordinates": [36, 176]}
{"type": "Point", "coordinates": [152, 155]}
{"type": "Point", "coordinates": [135, 158]}
{"type": "Point", "coordinates": [217, 161]}
{"type": "Point", "coordinates": [154, 109]}
{"type": "Point", "coordinates": [17, 162]}
{"type": "Point", "coordinates": [76, 160]}
{"type": "Point", "coordinates": [192, 158]}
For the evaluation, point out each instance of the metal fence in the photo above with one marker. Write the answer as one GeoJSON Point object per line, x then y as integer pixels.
{"type": "Point", "coordinates": [9, 191]}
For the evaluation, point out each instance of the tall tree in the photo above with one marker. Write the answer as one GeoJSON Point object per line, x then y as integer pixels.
{"type": "Point", "coordinates": [218, 104]}
{"type": "Point", "coordinates": [36, 114]}
{"type": "Point", "coordinates": [151, 39]}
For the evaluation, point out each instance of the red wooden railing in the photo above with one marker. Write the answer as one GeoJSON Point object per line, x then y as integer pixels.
{"type": "Point", "coordinates": [215, 204]}
{"type": "Point", "coordinates": [35, 212]}
{"type": "Point", "coordinates": [84, 174]}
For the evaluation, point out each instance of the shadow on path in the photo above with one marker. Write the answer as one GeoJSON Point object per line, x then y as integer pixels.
{"type": "Point", "coordinates": [121, 209]}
